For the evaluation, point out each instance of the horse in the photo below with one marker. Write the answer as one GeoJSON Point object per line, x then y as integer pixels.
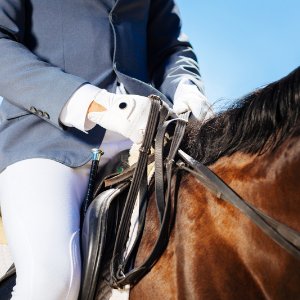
{"type": "Point", "coordinates": [214, 250]}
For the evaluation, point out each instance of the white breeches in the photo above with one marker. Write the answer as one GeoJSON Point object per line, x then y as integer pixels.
{"type": "Point", "coordinates": [40, 203]}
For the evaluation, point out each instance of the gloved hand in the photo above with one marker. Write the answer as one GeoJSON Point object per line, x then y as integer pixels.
{"type": "Point", "coordinates": [125, 114]}
{"type": "Point", "coordinates": [195, 102]}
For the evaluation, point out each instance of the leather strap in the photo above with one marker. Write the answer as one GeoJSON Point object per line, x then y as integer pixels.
{"type": "Point", "coordinates": [119, 277]}
{"type": "Point", "coordinates": [158, 113]}
{"type": "Point", "coordinates": [159, 157]}
{"type": "Point", "coordinates": [125, 175]}
{"type": "Point", "coordinates": [281, 234]}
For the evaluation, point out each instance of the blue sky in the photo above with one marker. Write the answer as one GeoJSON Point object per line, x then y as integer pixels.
{"type": "Point", "coordinates": [242, 45]}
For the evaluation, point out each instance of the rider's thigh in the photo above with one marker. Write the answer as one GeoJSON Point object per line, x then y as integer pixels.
{"type": "Point", "coordinates": [40, 203]}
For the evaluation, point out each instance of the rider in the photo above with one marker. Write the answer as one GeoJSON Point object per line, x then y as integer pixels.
{"type": "Point", "coordinates": [66, 66]}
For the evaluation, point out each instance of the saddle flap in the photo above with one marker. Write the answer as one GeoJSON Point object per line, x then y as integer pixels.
{"type": "Point", "coordinates": [98, 232]}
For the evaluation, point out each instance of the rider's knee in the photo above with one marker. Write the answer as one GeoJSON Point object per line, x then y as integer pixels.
{"type": "Point", "coordinates": [51, 281]}
{"type": "Point", "coordinates": [55, 275]}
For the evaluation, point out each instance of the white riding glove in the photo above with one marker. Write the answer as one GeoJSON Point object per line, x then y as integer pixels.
{"type": "Point", "coordinates": [125, 114]}
{"type": "Point", "coordinates": [190, 98]}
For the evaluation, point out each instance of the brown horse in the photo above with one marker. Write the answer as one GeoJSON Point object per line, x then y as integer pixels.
{"type": "Point", "coordinates": [215, 251]}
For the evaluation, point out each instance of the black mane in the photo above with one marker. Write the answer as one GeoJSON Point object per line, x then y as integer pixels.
{"type": "Point", "coordinates": [257, 123]}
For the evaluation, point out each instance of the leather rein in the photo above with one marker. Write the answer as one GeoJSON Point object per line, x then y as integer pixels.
{"type": "Point", "coordinates": [120, 268]}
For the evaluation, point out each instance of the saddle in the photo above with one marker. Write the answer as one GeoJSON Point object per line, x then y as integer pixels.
{"type": "Point", "coordinates": [105, 215]}
{"type": "Point", "coordinates": [100, 226]}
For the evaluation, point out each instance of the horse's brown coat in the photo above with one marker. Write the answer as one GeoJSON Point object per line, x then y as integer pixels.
{"type": "Point", "coordinates": [214, 251]}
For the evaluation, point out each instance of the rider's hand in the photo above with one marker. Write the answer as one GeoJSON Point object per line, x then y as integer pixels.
{"type": "Point", "coordinates": [125, 114]}
{"type": "Point", "coordinates": [194, 101]}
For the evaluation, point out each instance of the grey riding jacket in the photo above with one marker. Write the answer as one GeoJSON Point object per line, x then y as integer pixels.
{"type": "Point", "coordinates": [49, 48]}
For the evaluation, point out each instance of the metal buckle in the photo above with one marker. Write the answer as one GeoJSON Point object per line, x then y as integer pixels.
{"type": "Point", "coordinates": [170, 162]}
{"type": "Point", "coordinates": [145, 150]}
{"type": "Point", "coordinates": [180, 164]}
{"type": "Point", "coordinates": [154, 97]}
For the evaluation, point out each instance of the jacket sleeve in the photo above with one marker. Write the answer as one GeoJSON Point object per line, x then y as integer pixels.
{"type": "Point", "coordinates": [26, 80]}
{"type": "Point", "coordinates": [170, 55]}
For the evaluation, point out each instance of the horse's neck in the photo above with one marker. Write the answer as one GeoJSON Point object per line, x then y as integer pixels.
{"type": "Point", "coordinates": [216, 250]}
{"type": "Point", "coordinates": [270, 181]}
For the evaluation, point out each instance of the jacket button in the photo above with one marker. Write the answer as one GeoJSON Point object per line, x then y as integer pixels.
{"type": "Point", "coordinates": [114, 18]}
{"type": "Point", "coordinates": [45, 115]}
{"type": "Point", "coordinates": [32, 109]}
{"type": "Point", "coordinates": [117, 66]}
{"type": "Point", "coordinates": [39, 113]}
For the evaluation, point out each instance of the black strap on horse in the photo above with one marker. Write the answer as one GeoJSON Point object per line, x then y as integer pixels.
{"type": "Point", "coordinates": [118, 266]}
{"type": "Point", "coordinates": [280, 233]}
{"type": "Point", "coordinates": [158, 114]}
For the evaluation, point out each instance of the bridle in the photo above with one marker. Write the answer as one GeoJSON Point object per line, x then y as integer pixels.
{"type": "Point", "coordinates": [120, 269]}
